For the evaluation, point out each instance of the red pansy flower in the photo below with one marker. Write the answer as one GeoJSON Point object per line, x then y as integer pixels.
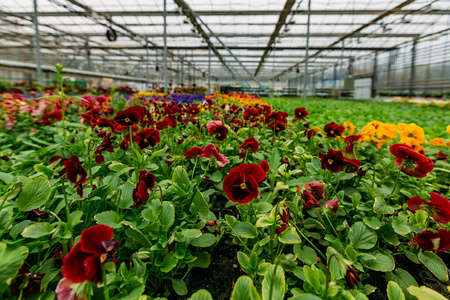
{"type": "Point", "coordinates": [277, 126]}
{"type": "Point", "coordinates": [145, 185]}
{"type": "Point", "coordinates": [334, 204]}
{"type": "Point", "coordinates": [301, 113]}
{"type": "Point", "coordinates": [104, 122]}
{"type": "Point", "coordinates": [352, 277]}
{"type": "Point", "coordinates": [76, 173]}
{"type": "Point", "coordinates": [51, 118]}
{"type": "Point", "coordinates": [193, 152]}
{"type": "Point", "coordinates": [333, 130]}
{"type": "Point", "coordinates": [130, 116]}
{"type": "Point", "coordinates": [235, 124]}
{"type": "Point", "coordinates": [333, 160]}
{"type": "Point", "coordinates": [350, 148]}
{"type": "Point", "coordinates": [317, 188]}
{"type": "Point", "coordinates": [351, 165]}
{"type": "Point", "coordinates": [241, 183]}
{"type": "Point", "coordinates": [106, 145]}
{"type": "Point", "coordinates": [251, 114]}
{"type": "Point", "coordinates": [220, 132]}
{"type": "Point", "coordinates": [285, 216]}
{"type": "Point", "coordinates": [429, 240]}
{"type": "Point", "coordinates": [413, 163]}
{"type": "Point", "coordinates": [309, 198]}
{"type": "Point", "coordinates": [438, 207]}
{"type": "Point", "coordinates": [147, 137]}
{"type": "Point", "coordinates": [85, 259]}
{"type": "Point", "coordinates": [210, 150]}
{"type": "Point", "coordinates": [249, 145]}
{"type": "Point", "coordinates": [264, 165]}
{"type": "Point", "coordinates": [168, 121]}
{"type": "Point", "coordinates": [193, 110]}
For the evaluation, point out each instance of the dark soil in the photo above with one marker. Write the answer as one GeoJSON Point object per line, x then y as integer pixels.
{"type": "Point", "coordinates": [421, 274]}
{"type": "Point", "coordinates": [221, 275]}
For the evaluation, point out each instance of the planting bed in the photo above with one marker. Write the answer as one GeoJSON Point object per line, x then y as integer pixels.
{"type": "Point", "coordinates": [219, 196]}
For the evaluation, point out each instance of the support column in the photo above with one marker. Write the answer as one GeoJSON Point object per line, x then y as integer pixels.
{"type": "Point", "coordinates": [413, 69]}
{"type": "Point", "coordinates": [305, 84]}
{"type": "Point", "coordinates": [374, 76]}
{"type": "Point", "coordinates": [209, 70]}
{"type": "Point", "coordinates": [334, 77]}
{"type": "Point", "coordinates": [165, 46]}
{"type": "Point", "coordinates": [323, 78]}
{"type": "Point", "coordinates": [391, 61]}
{"type": "Point", "coordinates": [88, 57]}
{"type": "Point", "coordinates": [38, 44]}
{"type": "Point", "coordinates": [147, 68]}
{"type": "Point", "coordinates": [341, 82]}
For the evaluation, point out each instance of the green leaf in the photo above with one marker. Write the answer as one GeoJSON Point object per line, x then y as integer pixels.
{"type": "Point", "coordinates": [404, 280]}
{"type": "Point", "coordinates": [425, 293]}
{"type": "Point", "coordinates": [289, 236]}
{"type": "Point", "coordinates": [372, 222]}
{"type": "Point", "coordinates": [6, 178]}
{"type": "Point", "coordinates": [306, 254]}
{"type": "Point", "coordinates": [180, 177]}
{"type": "Point", "coordinates": [244, 290]}
{"type": "Point", "coordinates": [168, 214]}
{"type": "Point", "coordinates": [199, 204]}
{"type": "Point", "coordinates": [135, 234]}
{"type": "Point", "coordinates": [191, 233]}
{"type": "Point", "coordinates": [110, 218]}
{"type": "Point", "coordinates": [169, 262]}
{"type": "Point", "coordinates": [274, 160]}
{"type": "Point", "coordinates": [44, 169]}
{"type": "Point", "coordinates": [435, 264]}
{"type": "Point", "coordinates": [37, 230]}
{"type": "Point", "coordinates": [216, 176]}
{"type": "Point", "coordinates": [126, 199]}
{"type": "Point", "coordinates": [34, 194]}
{"type": "Point", "coordinates": [399, 225]}
{"type": "Point", "coordinates": [203, 259]}
{"type": "Point", "coordinates": [276, 281]}
{"type": "Point", "coordinates": [246, 230]}
{"type": "Point", "coordinates": [394, 292]}
{"type": "Point", "coordinates": [12, 258]}
{"type": "Point", "coordinates": [205, 240]}
{"type": "Point", "coordinates": [201, 295]}
{"type": "Point", "coordinates": [49, 276]}
{"type": "Point", "coordinates": [306, 297]}
{"type": "Point", "coordinates": [362, 237]}
{"type": "Point", "coordinates": [179, 286]}
{"type": "Point", "coordinates": [380, 207]}
{"type": "Point", "coordinates": [383, 262]}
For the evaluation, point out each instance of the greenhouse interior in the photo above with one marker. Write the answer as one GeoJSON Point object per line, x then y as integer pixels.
{"type": "Point", "coordinates": [232, 149]}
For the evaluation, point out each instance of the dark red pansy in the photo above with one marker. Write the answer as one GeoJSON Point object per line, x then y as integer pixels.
{"type": "Point", "coordinates": [168, 121]}
{"type": "Point", "coordinates": [333, 130]}
{"type": "Point", "coordinates": [413, 163]}
{"type": "Point", "coordinates": [351, 165]}
{"type": "Point", "coordinates": [249, 145]}
{"type": "Point", "coordinates": [251, 114]}
{"type": "Point", "coordinates": [145, 185]}
{"type": "Point", "coordinates": [4, 157]}
{"type": "Point", "coordinates": [277, 126]}
{"type": "Point", "coordinates": [429, 240]}
{"type": "Point", "coordinates": [241, 183]}
{"type": "Point", "coordinates": [438, 207]}
{"type": "Point", "coordinates": [309, 199]}
{"type": "Point", "coordinates": [285, 217]}
{"type": "Point", "coordinates": [352, 277]}
{"type": "Point", "coordinates": [310, 133]}
{"type": "Point", "coordinates": [219, 131]}
{"type": "Point", "coordinates": [235, 124]}
{"type": "Point", "coordinates": [334, 204]}
{"type": "Point", "coordinates": [104, 122]}
{"type": "Point", "coordinates": [317, 188]}
{"type": "Point", "coordinates": [193, 110]}
{"type": "Point", "coordinates": [130, 116]}
{"type": "Point", "coordinates": [52, 118]}
{"type": "Point", "coordinates": [36, 215]}
{"type": "Point", "coordinates": [332, 160]}
{"type": "Point", "coordinates": [106, 145]}
{"type": "Point", "coordinates": [194, 151]}
{"type": "Point", "coordinates": [301, 113]}
{"type": "Point", "coordinates": [264, 165]}
{"type": "Point", "coordinates": [85, 259]}
{"type": "Point", "coordinates": [147, 137]}
{"type": "Point", "coordinates": [76, 173]}
{"type": "Point", "coordinates": [351, 139]}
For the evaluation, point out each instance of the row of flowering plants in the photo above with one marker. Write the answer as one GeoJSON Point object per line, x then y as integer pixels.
{"type": "Point", "coordinates": [124, 198]}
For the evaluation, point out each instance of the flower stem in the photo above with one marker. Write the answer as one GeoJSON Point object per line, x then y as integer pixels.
{"type": "Point", "coordinates": [398, 177]}
{"type": "Point", "coordinates": [69, 217]}
{"type": "Point", "coordinates": [309, 241]}
{"type": "Point", "coordinates": [105, 285]}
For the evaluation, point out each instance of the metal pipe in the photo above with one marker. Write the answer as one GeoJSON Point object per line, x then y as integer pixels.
{"type": "Point", "coordinates": [209, 70]}
{"type": "Point", "coordinates": [165, 46]}
{"type": "Point", "coordinates": [340, 70]}
{"type": "Point", "coordinates": [305, 84]}
{"type": "Point", "coordinates": [374, 77]}
{"type": "Point", "coordinates": [38, 44]}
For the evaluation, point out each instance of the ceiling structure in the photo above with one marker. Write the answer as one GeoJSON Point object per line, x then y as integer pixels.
{"type": "Point", "coordinates": [249, 40]}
